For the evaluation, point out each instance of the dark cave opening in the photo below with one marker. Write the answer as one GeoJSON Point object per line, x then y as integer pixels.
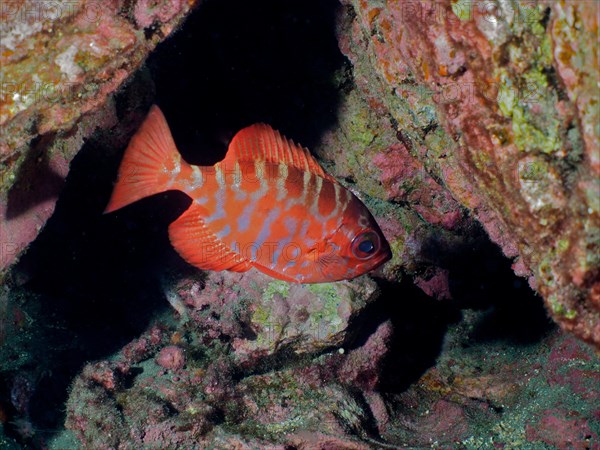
{"type": "Point", "coordinates": [236, 63]}
{"type": "Point", "coordinates": [481, 279]}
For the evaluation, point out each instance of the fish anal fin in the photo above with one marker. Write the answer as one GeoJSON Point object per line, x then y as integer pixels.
{"type": "Point", "coordinates": [200, 247]}
{"type": "Point", "coordinates": [261, 142]}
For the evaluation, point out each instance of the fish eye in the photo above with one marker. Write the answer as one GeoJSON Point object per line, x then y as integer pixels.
{"type": "Point", "coordinates": [365, 244]}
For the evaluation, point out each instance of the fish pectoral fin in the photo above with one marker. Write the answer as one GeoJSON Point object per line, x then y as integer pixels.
{"type": "Point", "coordinates": [240, 267]}
{"type": "Point", "coordinates": [313, 255]}
{"type": "Point", "coordinates": [200, 247]}
{"type": "Point", "coordinates": [277, 275]}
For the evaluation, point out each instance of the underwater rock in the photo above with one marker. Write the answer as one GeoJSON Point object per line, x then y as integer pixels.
{"type": "Point", "coordinates": [263, 316]}
{"type": "Point", "coordinates": [480, 393]}
{"type": "Point", "coordinates": [493, 395]}
{"type": "Point", "coordinates": [157, 399]}
{"type": "Point", "coordinates": [561, 430]}
{"type": "Point", "coordinates": [303, 318]}
{"type": "Point", "coordinates": [32, 181]}
{"type": "Point", "coordinates": [496, 101]}
{"type": "Point", "coordinates": [61, 61]}
{"type": "Point", "coordinates": [362, 366]}
{"type": "Point", "coordinates": [171, 357]}
{"type": "Point", "coordinates": [412, 209]}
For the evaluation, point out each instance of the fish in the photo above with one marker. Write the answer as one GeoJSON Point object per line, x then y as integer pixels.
{"type": "Point", "coordinates": [267, 205]}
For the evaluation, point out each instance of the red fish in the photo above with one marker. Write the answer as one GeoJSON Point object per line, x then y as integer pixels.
{"type": "Point", "coordinates": [268, 205]}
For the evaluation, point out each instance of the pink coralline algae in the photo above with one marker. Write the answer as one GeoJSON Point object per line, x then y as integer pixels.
{"type": "Point", "coordinates": [140, 349]}
{"type": "Point", "coordinates": [498, 106]}
{"type": "Point", "coordinates": [149, 12]}
{"type": "Point", "coordinates": [405, 179]}
{"type": "Point", "coordinates": [445, 419]}
{"type": "Point", "coordinates": [171, 357]}
{"type": "Point", "coordinates": [435, 285]}
{"type": "Point", "coordinates": [362, 367]}
{"type": "Point", "coordinates": [561, 430]}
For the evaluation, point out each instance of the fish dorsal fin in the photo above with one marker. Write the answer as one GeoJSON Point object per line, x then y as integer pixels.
{"type": "Point", "coordinates": [201, 247]}
{"type": "Point", "coordinates": [260, 142]}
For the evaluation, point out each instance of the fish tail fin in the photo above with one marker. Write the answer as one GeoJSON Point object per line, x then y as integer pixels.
{"type": "Point", "coordinates": [150, 164]}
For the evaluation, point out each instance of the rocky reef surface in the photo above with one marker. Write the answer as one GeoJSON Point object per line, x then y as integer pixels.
{"type": "Point", "coordinates": [471, 132]}
{"type": "Point", "coordinates": [245, 361]}
{"type": "Point", "coordinates": [499, 103]}
{"type": "Point", "coordinates": [61, 62]}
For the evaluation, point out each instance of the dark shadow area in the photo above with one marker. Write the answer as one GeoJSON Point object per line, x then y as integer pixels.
{"type": "Point", "coordinates": [236, 62]}
{"type": "Point", "coordinates": [48, 184]}
{"type": "Point", "coordinates": [419, 323]}
{"type": "Point", "coordinates": [481, 278]}
{"type": "Point", "coordinates": [94, 279]}
{"type": "Point", "coordinates": [517, 320]}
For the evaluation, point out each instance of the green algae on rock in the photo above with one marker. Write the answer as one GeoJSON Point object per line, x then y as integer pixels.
{"type": "Point", "coordinates": [304, 318]}
{"type": "Point", "coordinates": [520, 130]}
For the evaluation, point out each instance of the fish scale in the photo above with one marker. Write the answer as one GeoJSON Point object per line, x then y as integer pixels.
{"type": "Point", "coordinates": [268, 205]}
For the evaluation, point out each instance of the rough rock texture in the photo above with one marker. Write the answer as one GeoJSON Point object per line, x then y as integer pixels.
{"type": "Point", "coordinates": [204, 381]}
{"type": "Point", "coordinates": [60, 63]}
{"type": "Point", "coordinates": [277, 315]}
{"type": "Point", "coordinates": [499, 102]}
{"type": "Point", "coordinates": [489, 388]}
{"type": "Point", "coordinates": [482, 393]}
{"type": "Point", "coordinates": [492, 384]}
{"type": "Point", "coordinates": [447, 115]}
